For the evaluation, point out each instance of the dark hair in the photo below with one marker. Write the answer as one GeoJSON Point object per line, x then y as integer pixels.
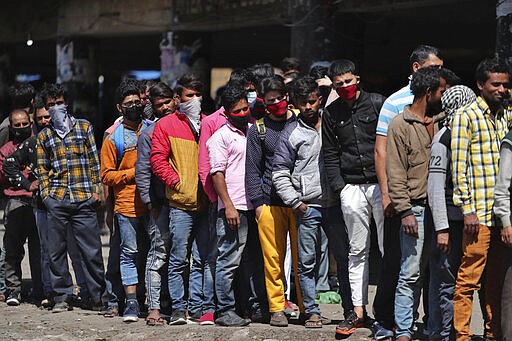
{"type": "Point", "coordinates": [424, 79]}
{"type": "Point", "coordinates": [21, 95]}
{"type": "Point", "coordinates": [303, 87]}
{"type": "Point", "coordinates": [261, 71]}
{"type": "Point", "coordinates": [160, 90]}
{"type": "Point", "coordinates": [242, 76]}
{"type": "Point", "coordinates": [11, 114]}
{"type": "Point", "coordinates": [127, 87]}
{"type": "Point", "coordinates": [39, 102]}
{"type": "Point", "coordinates": [290, 64]}
{"type": "Point", "coordinates": [232, 94]}
{"type": "Point", "coordinates": [53, 91]}
{"type": "Point", "coordinates": [189, 81]}
{"type": "Point", "coordinates": [490, 65]}
{"type": "Point", "coordinates": [340, 67]}
{"type": "Point", "coordinates": [450, 77]}
{"type": "Point", "coordinates": [274, 83]}
{"type": "Point", "coordinates": [421, 53]}
{"type": "Point", "coordinates": [318, 71]}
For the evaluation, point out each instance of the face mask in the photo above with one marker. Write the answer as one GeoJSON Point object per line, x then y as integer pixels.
{"type": "Point", "coordinates": [348, 92]}
{"type": "Point", "coordinates": [240, 120]}
{"type": "Point", "coordinates": [60, 119]}
{"type": "Point", "coordinates": [21, 134]}
{"type": "Point", "coordinates": [278, 109]}
{"type": "Point", "coordinates": [251, 98]}
{"type": "Point", "coordinates": [134, 113]}
{"type": "Point", "coordinates": [192, 109]}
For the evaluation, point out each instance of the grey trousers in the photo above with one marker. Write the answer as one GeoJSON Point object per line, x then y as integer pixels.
{"type": "Point", "coordinates": [506, 298]}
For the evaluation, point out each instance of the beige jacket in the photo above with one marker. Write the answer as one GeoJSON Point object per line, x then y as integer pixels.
{"type": "Point", "coordinates": [407, 156]}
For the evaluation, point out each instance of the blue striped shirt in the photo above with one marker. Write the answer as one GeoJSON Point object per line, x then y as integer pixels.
{"type": "Point", "coordinates": [392, 107]}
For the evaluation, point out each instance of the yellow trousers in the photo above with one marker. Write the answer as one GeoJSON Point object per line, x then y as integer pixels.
{"type": "Point", "coordinates": [274, 224]}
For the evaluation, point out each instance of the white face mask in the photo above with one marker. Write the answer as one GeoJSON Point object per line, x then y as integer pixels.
{"type": "Point", "coordinates": [60, 119]}
{"type": "Point", "coordinates": [251, 98]}
{"type": "Point", "coordinates": [192, 109]}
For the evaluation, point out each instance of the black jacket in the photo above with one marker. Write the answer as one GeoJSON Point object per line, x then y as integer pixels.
{"type": "Point", "coordinates": [348, 137]}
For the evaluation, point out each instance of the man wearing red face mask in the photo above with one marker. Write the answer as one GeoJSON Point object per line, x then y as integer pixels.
{"type": "Point", "coordinates": [275, 218]}
{"type": "Point", "coordinates": [348, 144]}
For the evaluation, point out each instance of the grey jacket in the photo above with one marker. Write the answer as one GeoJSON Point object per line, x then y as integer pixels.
{"type": "Point", "coordinates": [504, 183]}
{"type": "Point", "coordinates": [298, 172]}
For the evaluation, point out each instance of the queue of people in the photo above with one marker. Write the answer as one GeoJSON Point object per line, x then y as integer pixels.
{"type": "Point", "coordinates": [209, 215]}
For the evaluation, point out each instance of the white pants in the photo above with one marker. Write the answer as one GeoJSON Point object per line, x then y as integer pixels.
{"type": "Point", "coordinates": [359, 203]}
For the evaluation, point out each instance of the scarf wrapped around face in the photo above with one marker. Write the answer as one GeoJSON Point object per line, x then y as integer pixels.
{"type": "Point", "coordinates": [455, 98]}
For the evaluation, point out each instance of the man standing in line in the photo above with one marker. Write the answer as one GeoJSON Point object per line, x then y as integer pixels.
{"type": "Point", "coordinates": [422, 56]}
{"type": "Point", "coordinates": [408, 151]}
{"type": "Point", "coordinates": [68, 168]}
{"type": "Point", "coordinates": [477, 131]}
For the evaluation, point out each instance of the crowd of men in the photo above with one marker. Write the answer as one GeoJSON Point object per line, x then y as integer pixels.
{"type": "Point", "coordinates": [208, 214]}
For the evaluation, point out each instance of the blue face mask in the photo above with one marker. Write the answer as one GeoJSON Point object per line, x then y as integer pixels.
{"type": "Point", "coordinates": [251, 98]}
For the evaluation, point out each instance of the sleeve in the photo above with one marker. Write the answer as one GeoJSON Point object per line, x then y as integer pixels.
{"type": "Point", "coordinates": [396, 170]}
{"type": "Point", "coordinates": [218, 154]}
{"type": "Point", "coordinates": [13, 164]}
{"type": "Point", "coordinates": [160, 152]}
{"type": "Point", "coordinates": [503, 185]}
{"type": "Point", "coordinates": [460, 145]}
{"type": "Point", "coordinates": [94, 160]}
{"type": "Point", "coordinates": [110, 176]}
{"type": "Point", "coordinates": [3, 178]}
{"type": "Point", "coordinates": [284, 162]}
{"type": "Point", "coordinates": [387, 113]}
{"type": "Point", "coordinates": [43, 167]}
{"type": "Point", "coordinates": [143, 167]}
{"type": "Point", "coordinates": [438, 166]}
{"type": "Point", "coordinates": [330, 147]}
{"type": "Point", "coordinates": [253, 169]}
{"type": "Point", "coordinates": [204, 161]}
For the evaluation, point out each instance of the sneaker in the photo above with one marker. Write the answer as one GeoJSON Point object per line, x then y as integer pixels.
{"type": "Point", "coordinates": [260, 316]}
{"type": "Point", "coordinates": [279, 319]}
{"type": "Point", "coordinates": [178, 317]}
{"type": "Point", "coordinates": [14, 299]}
{"type": "Point", "coordinates": [131, 312]}
{"type": "Point", "coordinates": [109, 311]}
{"type": "Point", "coordinates": [350, 324]}
{"type": "Point", "coordinates": [47, 303]}
{"type": "Point", "coordinates": [61, 307]}
{"type": "Point", "coordinates": [380, 332]}
{"type": "Point", "coordinates": [291, 309]}
{"type": "Point", "coordinates": [231, 319]}
{"type": "Point", "coordinates": [206, 319]}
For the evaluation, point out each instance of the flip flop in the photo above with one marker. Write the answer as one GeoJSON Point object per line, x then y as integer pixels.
{"type": "Point", "coordinates": [314, 321]}
{"type": "Point", "coordinates": [151, 321]}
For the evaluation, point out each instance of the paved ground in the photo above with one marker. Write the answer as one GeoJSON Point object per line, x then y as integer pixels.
{"type": "Point", "coordinates": [28, 322]}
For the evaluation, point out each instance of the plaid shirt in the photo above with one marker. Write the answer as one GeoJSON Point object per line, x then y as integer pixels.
{"type": "Point", "coordinates": [70, 164]}
{"type": "Point", "coordinates": [476, 137]}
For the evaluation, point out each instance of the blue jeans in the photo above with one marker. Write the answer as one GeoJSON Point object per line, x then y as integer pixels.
{"type": "Point", "coordinates": [158, 231]}
{"type": "Point", "coordinates": [191, 229]}
{"type": "Point", "coordinates": [134, 246]}
{"type": "Point", "coordinates": [231, 246]}
{"type": "Point", "coordinates": [443, 275]}
{"type": "Point", "coordinates": [309, 227]}
{"type": "Point", "coordinates": [411, 271]}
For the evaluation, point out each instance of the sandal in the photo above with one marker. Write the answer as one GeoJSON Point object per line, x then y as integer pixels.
{"type": "Point", "coordinates": [151, 321]}
{"type": "Point", "coordinates": [313, 321]}
{"type": "Point", "coordinates": [110, 312]}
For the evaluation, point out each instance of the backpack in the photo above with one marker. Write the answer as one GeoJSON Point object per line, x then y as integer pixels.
{"type": "Point", "coordinates": [119, 139]}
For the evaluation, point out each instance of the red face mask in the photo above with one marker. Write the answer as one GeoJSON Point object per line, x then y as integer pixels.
{"type": "Point", "coordinates": [278, 109]}
{"type": "Point", "coordinates": [348, 92]}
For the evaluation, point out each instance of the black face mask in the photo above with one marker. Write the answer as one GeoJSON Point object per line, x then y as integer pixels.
{"type": "Point", "coordinates": [21, 134]}
{"type": "Point", "coordinates": [134, 113]}
{"type": "Point", "coordinates": [240, 121]}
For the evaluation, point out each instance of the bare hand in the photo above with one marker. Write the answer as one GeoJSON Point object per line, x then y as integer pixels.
{"type": "Point", "coordinates": [325, 81]}
{"type": "Point", "coordinates": [301, 210]}
{"type": "Point", "coordinates": [232, 218]}
{"type": "Point", "coordinates": [410, 226]}
{"type": "Point", "coordinates": [506, 235]}
{"type": "Point", "coordinates": [258, 211]}
{"type": "Point", "coordinates": [34, 186]}
{"type": "Point", "coordinates": [389, 210]}
{"type": "Point", "coordinates": [471, 225]}
{"type": "Point", "coordinates": [443, 241]}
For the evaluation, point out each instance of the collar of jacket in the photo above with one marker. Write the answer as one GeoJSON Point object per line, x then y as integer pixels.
{"type": "Point", "coordinates": [410, 117]}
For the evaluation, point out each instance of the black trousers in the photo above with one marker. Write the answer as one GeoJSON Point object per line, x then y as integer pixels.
{"type": "Point", "coordinates": [83, 222]}
{"type": "Point", "coordinates": [20, 225]}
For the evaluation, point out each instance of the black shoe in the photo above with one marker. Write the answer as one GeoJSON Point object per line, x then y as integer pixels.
{"type": "Point", "coordinates": [61, 307]}
{"type": "Point", "coordinates": [231, 319]}
{"type": "Point", "coordinates": [260, 316]}
{"type": "Point", "coordinates": [14, 299]}
{"type": "Point", "coordinates": [350, 324]}
{"type": "Point", "coordinates": [178, 317]}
